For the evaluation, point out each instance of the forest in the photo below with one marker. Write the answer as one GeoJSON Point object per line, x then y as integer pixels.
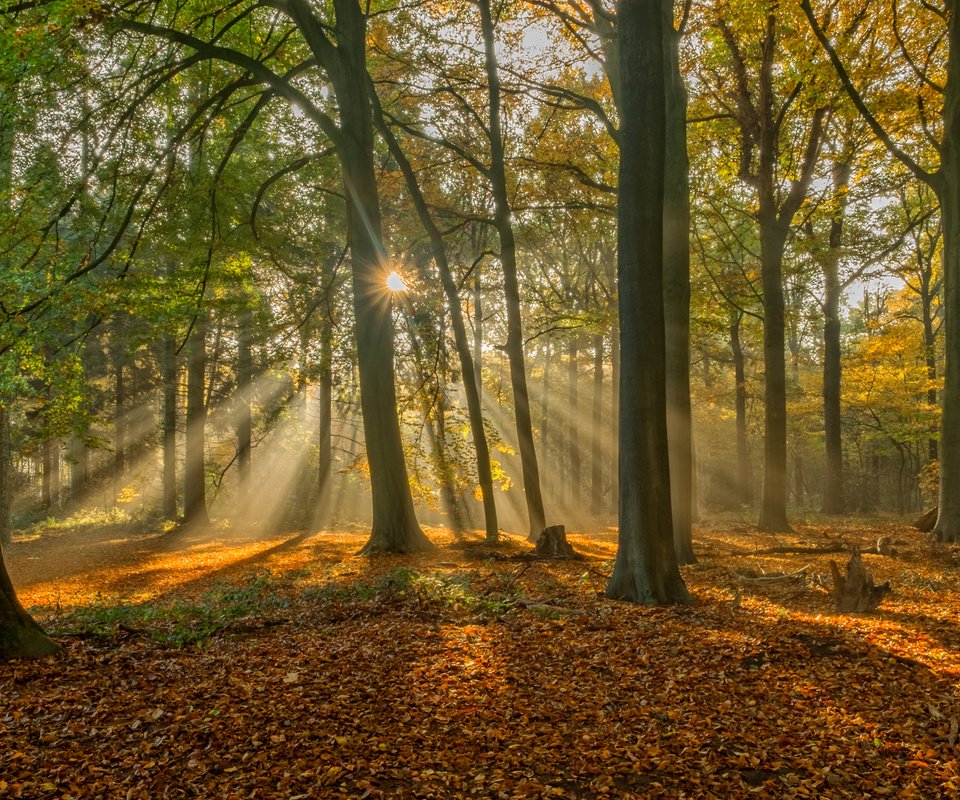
{"type": "Point", "coordinates": [494, 398]}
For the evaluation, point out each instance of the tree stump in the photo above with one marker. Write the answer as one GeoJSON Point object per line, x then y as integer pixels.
{"type": "Point", "coordinates": [553, 544]}
{"type": "Point", "coordinates": [928, 521]}
{"type": "Point", "coordinates": [856, 592]}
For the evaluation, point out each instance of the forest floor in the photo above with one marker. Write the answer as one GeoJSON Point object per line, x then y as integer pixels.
{"type": "Point", "coordinates": [224, 666]}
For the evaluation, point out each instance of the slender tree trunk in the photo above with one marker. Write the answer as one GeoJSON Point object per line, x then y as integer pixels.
{"type": "Point", "coordinates": [545, 402]}
{"type": "Point", "coordinates": [833, 501]}
{"type": "Point", "coordinates": [169, 427]}
{"type": "Point", "coordinates": [676, 296]}
{"type": "Point", "coordinates": [930, 356]}
{"type": "Point", "coordinates": [46, 472]}
{"type": "Point", "coordinates": [596, 461]}
{"type": "Point", "coordinates": [575, 476]}
{"type": "Point", "coordinates": [744, 480]}
{"type": "Point", "coordinates": [478, 333]}
{"type": "Point", "coordinates": [120, 400]}
{"type": "Point", "coordinates": [646, 567]}
{"type": "Point", "coordinates": [195, 477]}
{"type": "Point", "coordinates": [508, 262]}
{"type": "Point", "coordinates": [6, 478]}
{"type": "Point", "coordinates": [54, 473]}
{"type": "Point", "coordinates": [325, 430]}
{"type": "Point", "coordinates": [244, 396]}
{"type": "Point", "coordinates": [395, 528]}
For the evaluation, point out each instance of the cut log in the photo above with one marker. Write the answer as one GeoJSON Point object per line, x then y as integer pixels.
{"type": "Point", "coordinates": [856, 592]}
{"type": "Point", "coordinates": [928, 521]}
{"type": "Point", "coordinates": [553, 544]}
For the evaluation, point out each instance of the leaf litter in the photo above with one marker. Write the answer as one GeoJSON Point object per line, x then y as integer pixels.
{"type": "Point", "coordinates": [291, 668]}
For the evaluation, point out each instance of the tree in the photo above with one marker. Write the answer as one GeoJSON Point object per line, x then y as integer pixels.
{"type": "Point", "coordinates": [338, 44]}
{"type": "Point", "coordinates": [502, 220]}
{"type": "Point", "coordinates": [765, 108]}
{"type": "Point", "coordinates": [646, 569]}
{"type": "Point", "coordinates": [945, 183]}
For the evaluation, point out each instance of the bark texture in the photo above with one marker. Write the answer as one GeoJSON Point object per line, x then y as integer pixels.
{"type": "Point", "coordinates": [511, 286]}
{"type": "Point", "coordinates": [20, 635]}
{"type": "Point", "coordinates": [646, 569]}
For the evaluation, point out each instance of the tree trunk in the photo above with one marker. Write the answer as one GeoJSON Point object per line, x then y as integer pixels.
{"type": "Point", "coordinates": [469, 369]}
{"type": "Point", "coordinates": [773, 509]}
{"type": "Point", "coordinates": [948, 522]}
{"type": "Point", "coordinates": [6, 478]}
{"type": "Point", "coordinates": [169, 427]}
{"type": "Point", "coordinates": [79, 468]}
{"type": "Point", "coordinates": [930, 357]}
{"type": "Point", "coordinates": [194, 473]}
{"type": "Point", "coordinates": [615, 414]}
{"type": "Point", "coordinates": [20, 635]}
{"type": "Point", "coordinates": [596, 461]}
{"type": "Point", "coordinates": [325, 429]}
{"type": "Point", "coordinates": [478, 333]}
{"type": "Point", "coordinates": [511, 286]}
{"type": "Point", "coordinates": [244, 398]}
{"type": "Point", "coordinates": [395, 528]}
{"type": "Point", "coordinates": [120, 400]}
{"type": "Point", "coordinates": [55, 474]}
{"type": "Point", "coordinates": [833, 502]}
{"type": "Point", "coordinates": [574, 476]}
{"type": "Point", "coordinates": [676, 295]}
{"type": "Point", "coordinates": [744, 480]}
{"type": "Point", "coordinates": [46, 476]}
{"type": "Point", "coordinates": [646, 567]}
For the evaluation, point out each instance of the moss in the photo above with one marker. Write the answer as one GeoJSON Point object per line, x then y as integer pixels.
{"type": "Point", "coordinates": [25, 639]}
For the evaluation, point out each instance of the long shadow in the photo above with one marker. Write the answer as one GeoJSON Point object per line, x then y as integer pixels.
{"type": "Point", "coordinates": [210, 575]}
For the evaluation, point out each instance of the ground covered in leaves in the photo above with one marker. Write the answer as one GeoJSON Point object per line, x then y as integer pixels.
{"type": "Point", "coordinates": [222, 667]}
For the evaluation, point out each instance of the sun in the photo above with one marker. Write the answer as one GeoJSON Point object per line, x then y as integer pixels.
{"type": "Point", "coordinates": [395, 282]}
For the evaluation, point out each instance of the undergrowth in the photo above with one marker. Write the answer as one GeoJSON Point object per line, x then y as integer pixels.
{"type": "Point", "coordinates": [182, 623]}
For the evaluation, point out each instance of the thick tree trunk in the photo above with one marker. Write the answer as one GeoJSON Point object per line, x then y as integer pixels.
{"type": "Point", "coordinates": [948, 522]}
{"type": "Point", "coordinates": [615, 414]}
{"type": "Point", "coordinates": [744, 479]}
{"type": "Point", "coordinates": [596, 460]}
{"type": "Point", "coordinates": [395, 528]}
{"type": "Point", "coordinates": [676, 296]}
{"type": "Point", "coordinates": [469, 369]}
{"type": "Point", "coordinates": [646, 567]}
{"type": "Point", "coordinates": [194, 472]}
{"type": "Point", "coordinates": [508, 262]}
{"type": "Point", "coordinates": [773, 509]}
{"type": "Point", "coordinates": [169, 427]}
{"type": "Point", "coordinates": [20, 635]}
